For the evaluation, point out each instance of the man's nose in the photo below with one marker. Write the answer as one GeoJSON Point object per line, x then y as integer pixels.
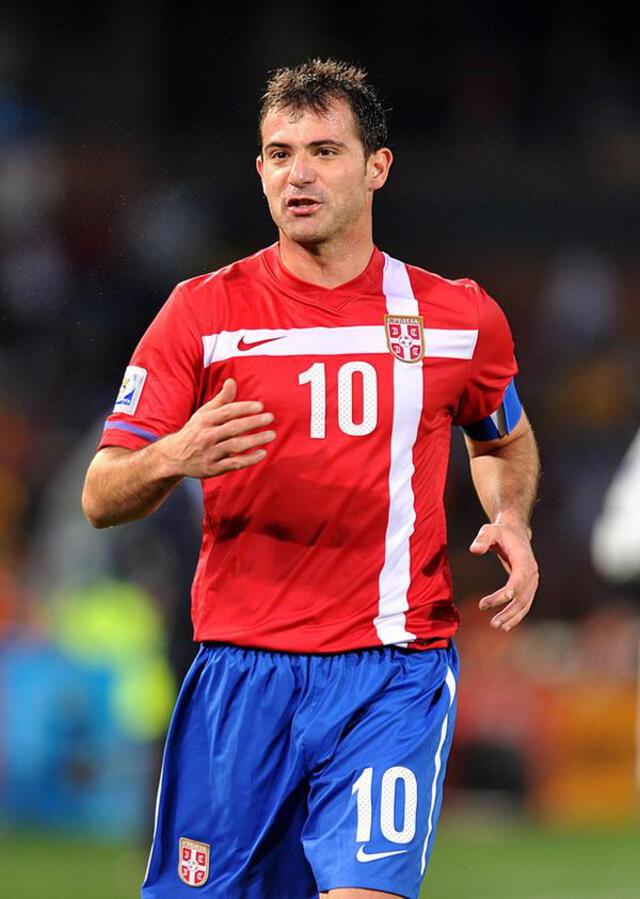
{"type": "Point", "coordinates": [301, 171]}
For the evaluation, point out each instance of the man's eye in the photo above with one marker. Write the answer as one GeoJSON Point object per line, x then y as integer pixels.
{"type": "Point", "coordinates": [326, 151]}
{"type": "Point", "coordinates": [279, 154]}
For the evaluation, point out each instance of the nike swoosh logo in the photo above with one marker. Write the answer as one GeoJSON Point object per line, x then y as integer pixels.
{"type": "Point", "coordinates": [243, 345]}
{"type": "Point", "coordinates": [363, 856]}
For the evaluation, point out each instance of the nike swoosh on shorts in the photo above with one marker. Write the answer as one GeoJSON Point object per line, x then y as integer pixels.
{"type": "Point", "coordinates": [363, 856]}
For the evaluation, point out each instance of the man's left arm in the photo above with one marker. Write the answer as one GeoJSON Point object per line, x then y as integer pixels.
{"type": "Point", "coordinates": [505, 473]}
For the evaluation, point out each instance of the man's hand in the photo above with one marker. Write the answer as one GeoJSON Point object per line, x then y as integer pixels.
{"type": "Point", "coordinates": [509, 538]}
{"type": "Point", "coordinates": [217, 436]}
{"type": "Point", "coordinates": [124, 485]}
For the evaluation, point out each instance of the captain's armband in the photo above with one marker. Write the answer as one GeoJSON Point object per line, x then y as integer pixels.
{"type": "Point", "coordinates": [501, 422]}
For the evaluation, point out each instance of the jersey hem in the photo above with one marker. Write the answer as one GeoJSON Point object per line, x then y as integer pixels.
{"type": "Point", "coordinates": [434, 643]}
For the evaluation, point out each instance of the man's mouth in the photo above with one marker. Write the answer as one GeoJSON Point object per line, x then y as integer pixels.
{"type": "Point", "coordinates": [300, 206]}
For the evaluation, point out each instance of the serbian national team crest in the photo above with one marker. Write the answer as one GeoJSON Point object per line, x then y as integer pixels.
{"type": "Point", "coordinates": [193, 862]}
{"type": "Point", "coordinates": [405, 337]}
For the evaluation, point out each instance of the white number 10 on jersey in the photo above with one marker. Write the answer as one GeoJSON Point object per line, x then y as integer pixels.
{"type": "Point", "coordinates": [316, 377]}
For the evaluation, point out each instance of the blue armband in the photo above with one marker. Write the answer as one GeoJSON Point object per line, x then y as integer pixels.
{"type": "Point", "coordinates": [502, 421]}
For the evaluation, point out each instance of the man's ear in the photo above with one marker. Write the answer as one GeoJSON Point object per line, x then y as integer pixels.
{"type": "Point", "coordinates": [378, 166]}
{"type": "Point", "coordinates": [259, 169]}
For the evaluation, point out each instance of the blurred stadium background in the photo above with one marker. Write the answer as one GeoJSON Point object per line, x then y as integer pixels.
{"type": "Point", "coordinates": [127, 141]}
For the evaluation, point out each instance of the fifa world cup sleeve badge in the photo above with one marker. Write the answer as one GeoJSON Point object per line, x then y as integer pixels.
{"type": "Point", "coordinates": [405, 337]}
{"type": "Point", "coordinates": [130, 389]}
{"type": "Point", "coordinates": [193, 862]}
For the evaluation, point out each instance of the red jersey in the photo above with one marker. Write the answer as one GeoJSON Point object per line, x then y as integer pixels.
{"type": "Point", "coordinates": [337, 540]}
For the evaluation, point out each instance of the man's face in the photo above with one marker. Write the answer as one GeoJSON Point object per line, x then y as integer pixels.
{"type": "Point", "coordinates": [318, 184]}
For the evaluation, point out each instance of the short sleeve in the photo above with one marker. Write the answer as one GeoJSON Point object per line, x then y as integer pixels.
{"type": "Point", "coordinates": [493, 365]}
{"type": "Point", "coordinates": [161, 385]}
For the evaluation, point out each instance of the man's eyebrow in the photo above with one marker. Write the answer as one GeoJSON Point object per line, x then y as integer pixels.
{"type": "Point", "coordinates": [282, 145]}
{"type": "Point", "coordinates": [328, 140]}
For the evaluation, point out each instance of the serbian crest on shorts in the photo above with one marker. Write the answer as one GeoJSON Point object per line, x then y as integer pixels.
{"type": "Point", "coordinates": [405, 337]}
{"type": "Point", "coordinates": [193, 862]}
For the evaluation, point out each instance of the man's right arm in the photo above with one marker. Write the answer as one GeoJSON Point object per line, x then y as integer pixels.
{"type": "Point", "coordinates": [125, 485]}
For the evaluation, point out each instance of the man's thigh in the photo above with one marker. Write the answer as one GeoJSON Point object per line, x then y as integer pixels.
{"type": "Point", "coordinates": [374, 803]}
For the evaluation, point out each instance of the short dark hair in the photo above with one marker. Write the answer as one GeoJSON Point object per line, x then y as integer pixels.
{"type": "Point", "coordinates": [315, 83]}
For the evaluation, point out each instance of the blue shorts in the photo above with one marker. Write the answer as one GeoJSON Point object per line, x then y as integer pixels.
{"type": "Point", "coordinates": [288, 774]}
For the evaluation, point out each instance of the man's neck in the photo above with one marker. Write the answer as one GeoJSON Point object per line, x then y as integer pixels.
{"type": "Point", "coordinates": [325, 265]}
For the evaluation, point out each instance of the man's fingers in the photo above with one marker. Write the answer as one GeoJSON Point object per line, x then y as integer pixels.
{"type": "Point", "coordinates": [504, 594]}
{"type": "Point", "coordinates": [519, 597]}
{"type": "Point", "coordinates": [226, 395]}
{"type": "Point", "coordinates": [235, 463]}
{"type": "Point", "coordinates": [480, 545]}
{"type": "Point", "coordinates": [222, 414]}
{"type": "Point", "coordinates": [513, 614]}
{"type": "Point", "coordinates": [487, 536]}
{"type": "Point", "coordinates": [237, 445]}
{"type": "Point", "coordinates": [223, 408]}
{"type": "Point", "coordinates": [490, 540]}
{"type": "Point", "coordinates": [237, 426]}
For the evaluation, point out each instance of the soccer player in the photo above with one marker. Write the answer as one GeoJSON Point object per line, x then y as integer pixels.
{"type": "Point", "coordinates": [312, 388]}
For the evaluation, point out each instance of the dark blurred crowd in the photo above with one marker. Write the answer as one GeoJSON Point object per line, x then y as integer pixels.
{"type": "Point", "coordinates": [127, 140]}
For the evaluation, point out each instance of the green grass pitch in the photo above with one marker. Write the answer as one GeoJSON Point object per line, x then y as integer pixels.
{"type": "Point", "coordinates": [534, 863]}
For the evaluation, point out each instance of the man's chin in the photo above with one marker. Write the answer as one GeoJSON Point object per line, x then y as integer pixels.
{"type": "Point", "coordinates": [305, 233]}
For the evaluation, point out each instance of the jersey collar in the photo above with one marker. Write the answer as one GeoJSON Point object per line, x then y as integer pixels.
{"type": "Point", "coordinates": [334, 297]}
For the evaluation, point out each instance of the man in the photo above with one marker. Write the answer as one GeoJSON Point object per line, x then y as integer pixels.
{"type": "Point", "coordinates": [308, 746]}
